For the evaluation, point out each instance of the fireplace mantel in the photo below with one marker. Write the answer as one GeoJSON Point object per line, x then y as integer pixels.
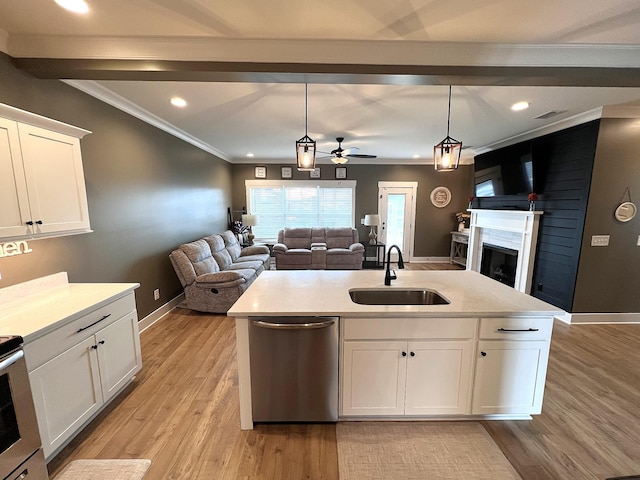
{"type": "Point", "coordinates": [514, 229]}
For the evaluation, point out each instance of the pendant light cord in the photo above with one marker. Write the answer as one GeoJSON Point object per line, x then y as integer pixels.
{"type": "Point", "coordinates": [306, 116]}
{"type": "Point", "coordinates": [449, 111]}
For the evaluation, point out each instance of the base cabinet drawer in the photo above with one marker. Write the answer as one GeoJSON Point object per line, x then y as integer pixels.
{"type": "Point", "coordinates": [69, 389]}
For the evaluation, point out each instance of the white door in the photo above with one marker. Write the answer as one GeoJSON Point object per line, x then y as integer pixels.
{"type": "Point", "coordinates": [510, 377]}
{"type": "Point", "coordinates": [374, 376]}
{"type": "Point", "coordinates": [396, 207]}
{"type": "Point", "coordinates": [118, 354]}
{"type": "Point", "coordinates": [66, 393]}
{"type": "Point", "coordinates": [439, 377]}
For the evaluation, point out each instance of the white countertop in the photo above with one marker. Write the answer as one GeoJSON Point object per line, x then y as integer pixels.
{"type": "Point", "coordinates": [326, 292]}
{"type": "Point", "coordinates": [33, 313]}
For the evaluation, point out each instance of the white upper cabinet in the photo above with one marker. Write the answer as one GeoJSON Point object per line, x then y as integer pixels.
{"type": "Point", "coordinates": [42, 189]}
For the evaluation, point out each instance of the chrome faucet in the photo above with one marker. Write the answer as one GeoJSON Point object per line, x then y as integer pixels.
{"type": "Point", "coordinates": [388, 276]}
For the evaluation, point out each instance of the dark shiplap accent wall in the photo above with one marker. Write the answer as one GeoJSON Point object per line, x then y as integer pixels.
{"type": "Point", "coordinates": [569, 155]}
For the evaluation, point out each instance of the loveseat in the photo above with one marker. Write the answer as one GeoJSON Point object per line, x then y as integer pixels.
{"type": "Point", "coordinates": [318, 248]}
{"type": "Point", "coordinates": [215, 270]}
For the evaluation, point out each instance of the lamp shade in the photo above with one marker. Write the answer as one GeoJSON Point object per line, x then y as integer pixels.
{"type": "Point", "coordinates": [250, 220]}
{"type": "Point", "coordinates": [371, 220]}
{"type": "Point", "coordinates": [306, 154]}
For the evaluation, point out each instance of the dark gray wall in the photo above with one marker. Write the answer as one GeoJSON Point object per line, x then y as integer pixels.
{"type": "Point", "coordinates": [433, 225]}
{"type": "Point", "coordinates": [609, 277]}
{"type": "Point", "coordinates": [147, 192]}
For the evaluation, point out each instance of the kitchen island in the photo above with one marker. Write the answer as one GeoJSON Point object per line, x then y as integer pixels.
{"type": "Point", "coordinates": [482, 355]}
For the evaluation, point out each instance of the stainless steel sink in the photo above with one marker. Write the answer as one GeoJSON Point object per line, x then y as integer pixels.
{"type": "Point", "coordinates": [397, 296]}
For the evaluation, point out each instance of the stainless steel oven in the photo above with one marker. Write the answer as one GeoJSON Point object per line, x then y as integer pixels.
{"type": "Point", "coordinates": [20, 453]}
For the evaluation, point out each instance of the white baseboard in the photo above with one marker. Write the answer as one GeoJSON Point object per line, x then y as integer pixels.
{"type": "Point", "coordinates": [603, 318]}
{"type": "Point", "coordinates": [429, 260]}
{"type": "Point", "coordinates": [157, 315]}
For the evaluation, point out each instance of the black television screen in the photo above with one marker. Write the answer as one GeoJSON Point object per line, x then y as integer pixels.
{"type": "Point", "coordinates": [508, 171]}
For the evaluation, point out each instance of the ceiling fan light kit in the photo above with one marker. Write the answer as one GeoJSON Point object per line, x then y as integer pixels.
{"type": "Point", "coordinates": [446, 154]}
{"type": "Point", "coordinates": [306, 146]}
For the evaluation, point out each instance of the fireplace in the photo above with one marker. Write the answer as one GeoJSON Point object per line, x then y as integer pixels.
{"type": "Point", "coordinates": [499, 263]}
{"type": "Point", "coordinates": [513, 235]}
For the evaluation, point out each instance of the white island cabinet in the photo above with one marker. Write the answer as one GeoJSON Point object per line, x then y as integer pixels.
{"type": "Point", "coordinates": [82, 347]}
{"type": "Point", "coordinates": [428, 373]}
{"type": "Point", "coordinates": [482, 355]}
{"type": "Point", "coordinates": [42, 187]}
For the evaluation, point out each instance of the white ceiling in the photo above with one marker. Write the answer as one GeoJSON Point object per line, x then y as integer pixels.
{"type": "Point", "coordinates": [395, 116]}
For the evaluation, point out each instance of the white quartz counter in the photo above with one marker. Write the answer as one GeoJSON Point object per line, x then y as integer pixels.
{"type": "Point", "coordinates": [325, 292]}
{"type": "Point", "coordinates": [35, 308]}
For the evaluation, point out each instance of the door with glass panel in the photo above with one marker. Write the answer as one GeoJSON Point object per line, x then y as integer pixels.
{"type": "Point", "coordinates": [396, 206]}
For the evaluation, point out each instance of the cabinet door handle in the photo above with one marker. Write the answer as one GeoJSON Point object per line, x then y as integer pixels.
{"type": "Point", "coordinates": [94, 347]}
{"type": "Point", "coordinates": [518, 329]}
{"type": "Point", "coordinates": [413, 354]}
{"type": "Point", "coordinates": [39, 222]}
{"type": "Point", "coordinates": [30, 223]}
{"type": "Point", "coordinates": [101, 342]}
{"type": "Point", "coordinates": [404, 354]}
{"type": "Point", "coordinates": [484, 354]}
{"type": "Point", "coordinates": [94, 323]}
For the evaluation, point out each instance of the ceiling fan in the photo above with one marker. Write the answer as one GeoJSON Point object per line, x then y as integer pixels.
{"type": "Point", "coordinates": [342, 155]}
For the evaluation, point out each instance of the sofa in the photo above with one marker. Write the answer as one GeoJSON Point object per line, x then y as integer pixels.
{"type": "Point", "coordinates": [215, 270]}
{"type": "Point", "coordinates": [318, 248]}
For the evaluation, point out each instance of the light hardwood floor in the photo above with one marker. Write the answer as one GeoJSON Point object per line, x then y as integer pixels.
{"type": "Point", "coordinates": [182, 412]}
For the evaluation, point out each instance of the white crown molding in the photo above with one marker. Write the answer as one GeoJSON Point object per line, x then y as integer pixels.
{"type": "Point", "coordinates": [325, 51]}
{"type": "Point", "coordinates": [29, 118]}
{"type": "Point", "coordinates": [101, 93]}
{"type": "Point", "coordinates": [563, 124]}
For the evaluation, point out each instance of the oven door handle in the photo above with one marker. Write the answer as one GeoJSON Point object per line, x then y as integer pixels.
{"type": "Point", "coordinates": [7, 362]}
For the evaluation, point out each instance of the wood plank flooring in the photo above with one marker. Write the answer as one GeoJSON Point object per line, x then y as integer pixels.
{"type": "Point", "coordinates": [182, 412]}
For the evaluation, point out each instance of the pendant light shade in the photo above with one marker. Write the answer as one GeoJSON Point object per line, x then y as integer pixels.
{"type": "Point", "coordinates": [306, 147]}
{"type": "Point", "coordinates": [446, 154]}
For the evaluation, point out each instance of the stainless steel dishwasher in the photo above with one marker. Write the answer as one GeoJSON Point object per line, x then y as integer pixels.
{"type": "Point", "coordinates": [294, 369]}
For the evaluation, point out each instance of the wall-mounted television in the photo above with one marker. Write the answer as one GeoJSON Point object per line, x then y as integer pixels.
{"type": "Point", "coordinates": [511, 170]}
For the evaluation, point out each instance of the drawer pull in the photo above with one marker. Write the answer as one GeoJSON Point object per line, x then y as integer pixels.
{"type": "Point", "coordinates": [94, 323]}
{"type": "Point", "coordinates": [518, 329]}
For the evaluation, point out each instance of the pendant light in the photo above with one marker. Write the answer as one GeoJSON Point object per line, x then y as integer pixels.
{"type": "Point", "coordinates": [446, 154]}
{"type": "Point", "coordinates": [306, 147]}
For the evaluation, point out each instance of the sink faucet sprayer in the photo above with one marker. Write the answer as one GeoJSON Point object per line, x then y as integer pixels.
{"type": "Point", "coordinates": [388, 276]}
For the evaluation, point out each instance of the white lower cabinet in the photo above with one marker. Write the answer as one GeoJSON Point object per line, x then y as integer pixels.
{"type": "Point", "coordinates": [418, 377]}
{"type": "Point", "coordinates": [70, 388]}
{"type": "Point", "coordinates": [511, 366]}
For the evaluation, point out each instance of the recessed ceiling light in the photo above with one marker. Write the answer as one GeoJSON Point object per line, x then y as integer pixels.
{"type": "Point", "coordinates": [75, 6]}
{"type": "Point", "coordinates": [249, 154]}
{"type": "Point", "coordinates": [178, 102]}
{"type": "Point", "coordinates": [516, 107]}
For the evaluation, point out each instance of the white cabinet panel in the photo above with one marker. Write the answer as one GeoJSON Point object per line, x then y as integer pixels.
{"type": "Point", "coordinates": [374, 378]}
{"type": "Point", "coordinates": [14, 201]}
{"type": "Point", "coordinates": [439, 377]}
{"type": "Point", "coordinates": [66, 393]}
{"type": "Point", "coordinates": [118, 354]}
{"type": "Point", "coordinates": [510, 377]}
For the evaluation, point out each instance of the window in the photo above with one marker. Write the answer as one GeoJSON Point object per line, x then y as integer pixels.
{"type": "Point", "coordinates": [299, 203]}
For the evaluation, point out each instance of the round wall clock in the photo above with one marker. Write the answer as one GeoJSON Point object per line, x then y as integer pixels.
{"type": "Point", "coordinates": [440, 197]}
{"type": "Point", "coordinates": [625, 211]}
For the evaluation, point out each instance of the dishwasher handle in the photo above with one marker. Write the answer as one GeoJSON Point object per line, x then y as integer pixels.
{"type": "Point", "coordinates": [293, 326]}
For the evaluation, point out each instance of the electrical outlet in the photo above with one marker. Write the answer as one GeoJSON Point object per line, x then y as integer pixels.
{"type": "Point", "coordinates": [600, 240]}
{"type": "Point", "coordinates": [156, 294]}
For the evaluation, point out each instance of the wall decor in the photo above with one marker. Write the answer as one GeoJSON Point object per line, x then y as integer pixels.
{"type": "Point", "coordinates": [440, 197]}
{"type": "Point", "coordinates": [627, 209]}
{"type": "Point", "coordinates": [315, 173]}
{"type": "Point", "coordinates": [341, 172]}
{"type": "Point", "coordinates": [9, 249]}
{"type": "Point", "coordinates": [261, 172]}
{"type": "Point", "coordinates": [285, 172]}
{"type": "Point", "coordinates": [625, 212]}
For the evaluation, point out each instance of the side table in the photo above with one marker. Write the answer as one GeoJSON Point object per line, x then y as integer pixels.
{"type": "Point", "coordinates": [373, 251]}
{"type": "Point", "coordinates": [459, 245]}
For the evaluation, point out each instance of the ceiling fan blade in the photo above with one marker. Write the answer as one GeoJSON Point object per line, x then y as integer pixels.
{"type": "Point", "coordinates": [361, 155]}
{"type": "Point", "coordinates": [347, 151]}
